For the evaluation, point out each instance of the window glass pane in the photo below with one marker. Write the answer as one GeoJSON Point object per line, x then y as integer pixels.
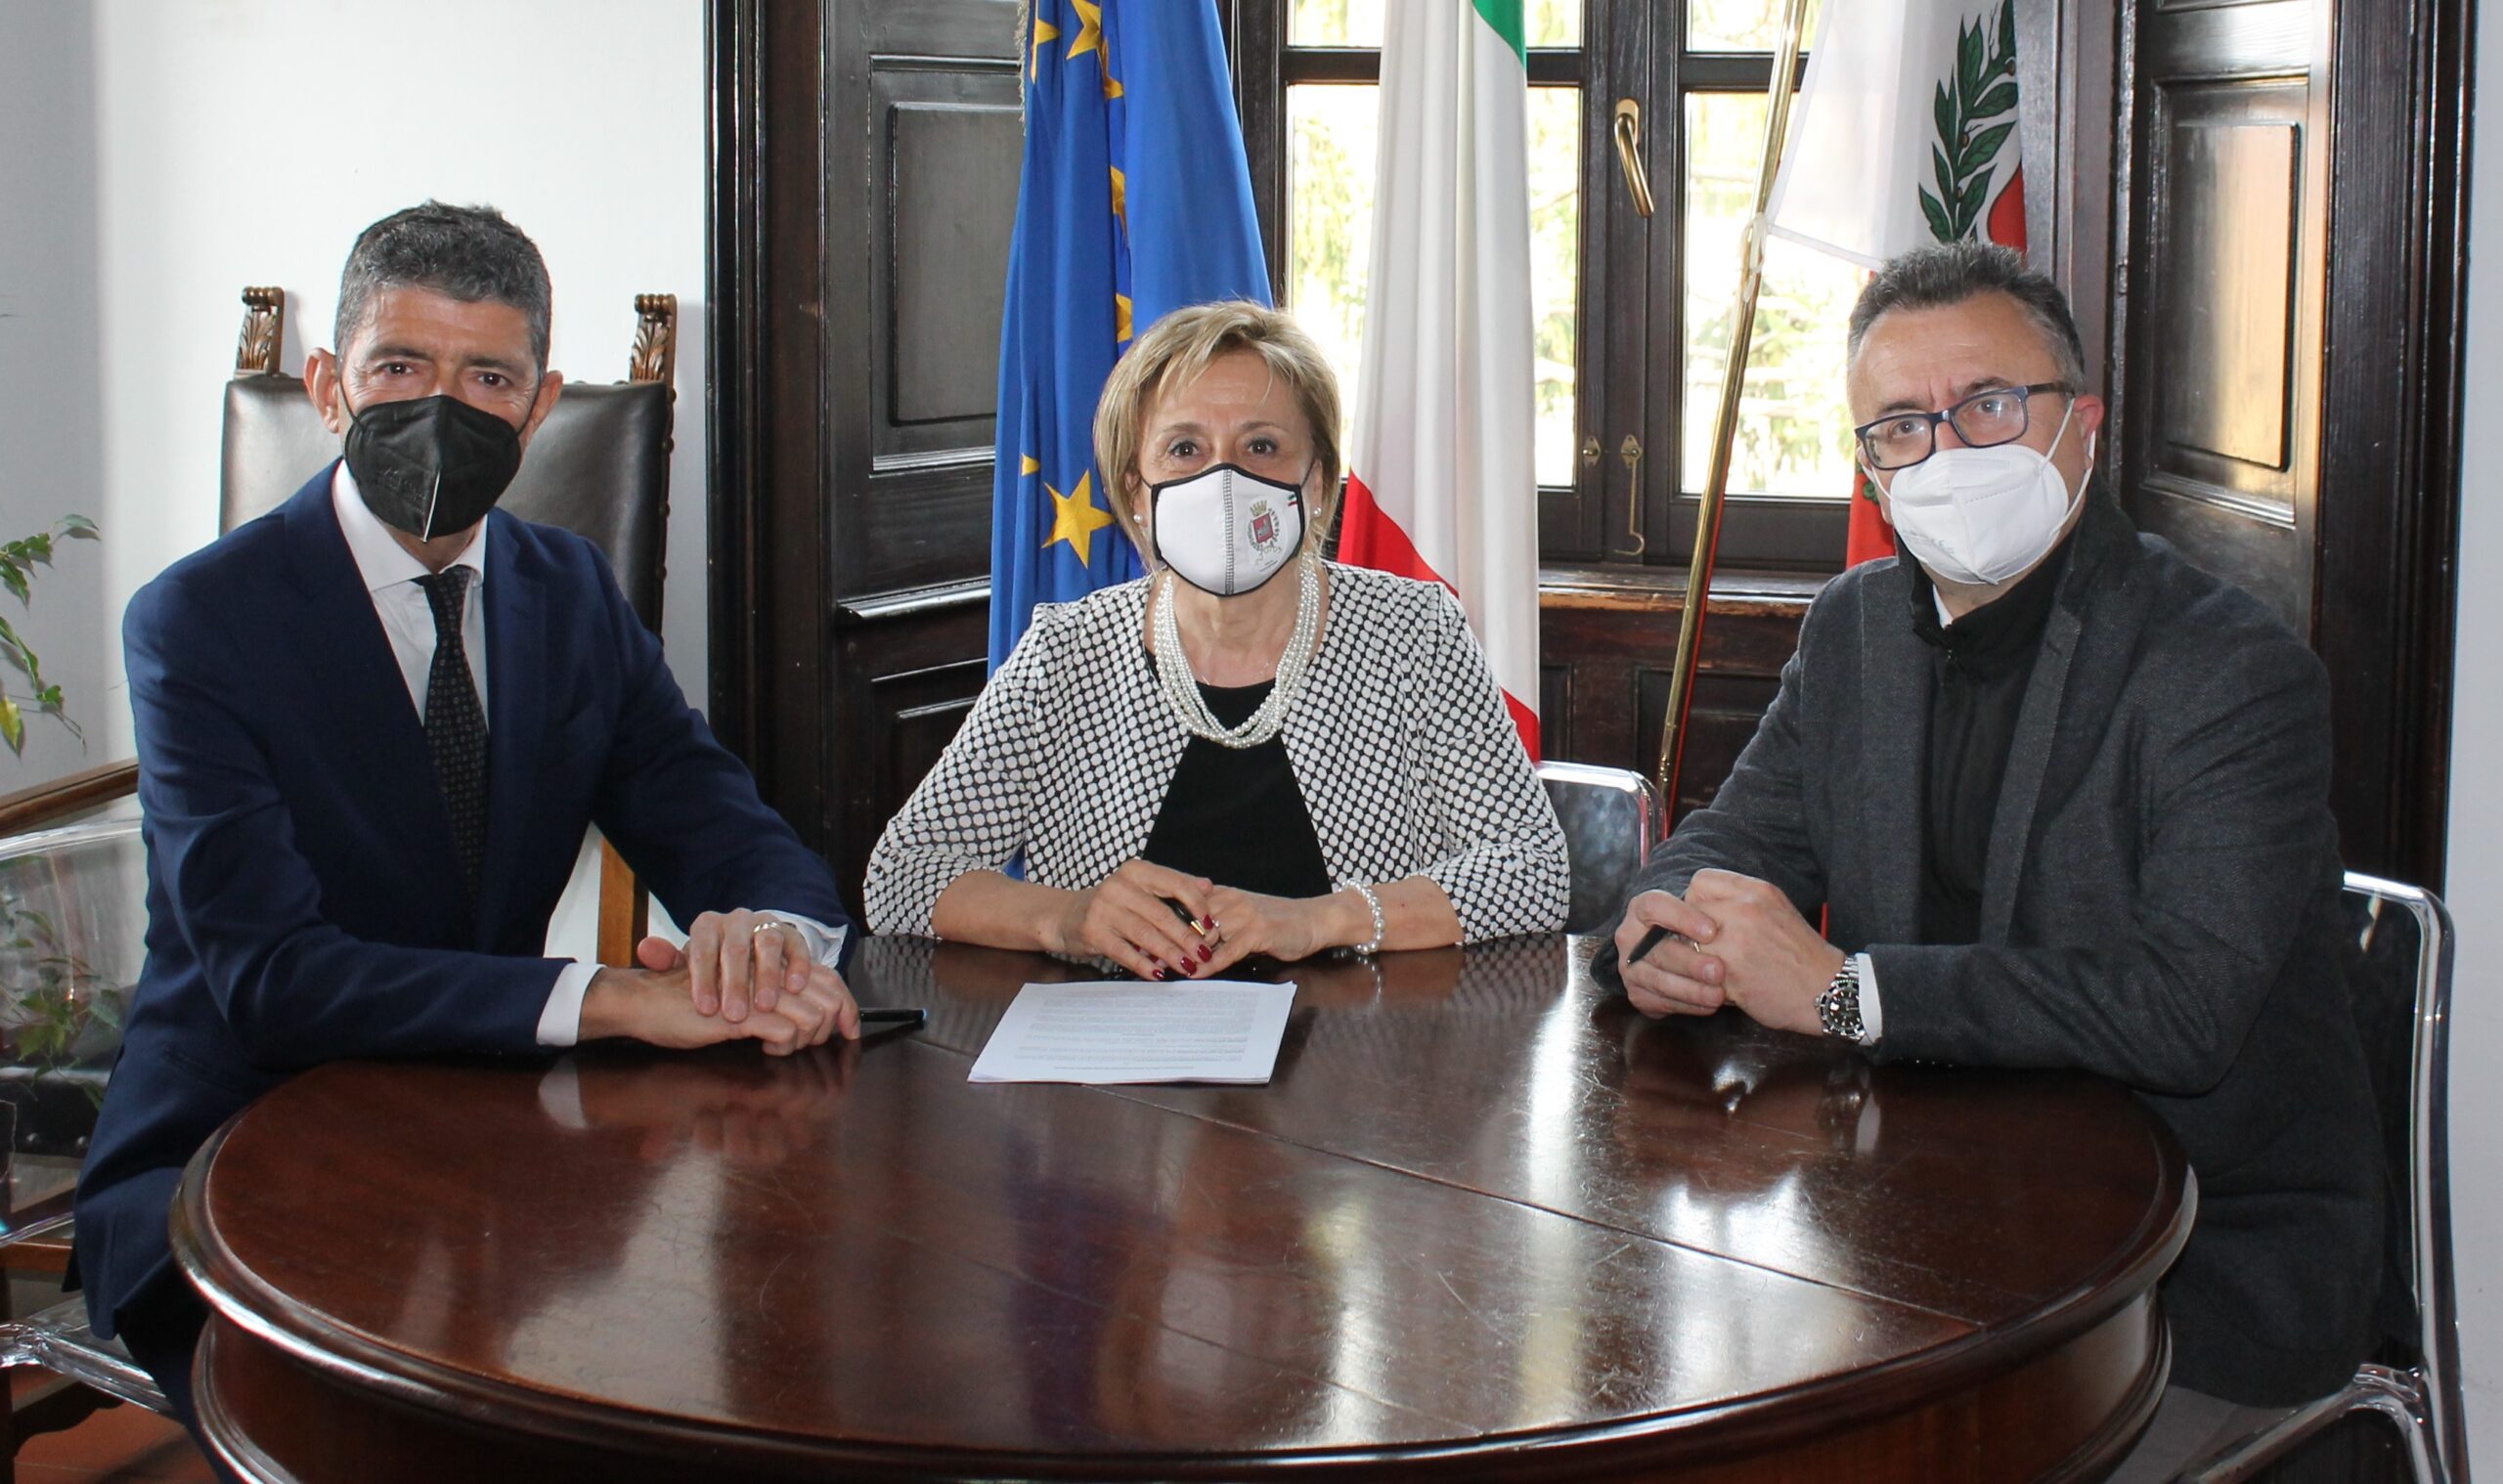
{"type": "Point", "coordinates": [1331, 133]}
{"type": "Point", "coordinates": [1794, 427]}
{"type": "Point", "coordinates": [1555, 268]}
{"type": "Point", "coordinates": [1358, 23]}
{"type": "Point", "coordinates": [1741, 26]}
{"type": "Point", "coordinates": [1552, 23]}
{"type": "Point", "coordinates": [1330, 160]}
{"type": "Point", "coordinates": [1336, 23]}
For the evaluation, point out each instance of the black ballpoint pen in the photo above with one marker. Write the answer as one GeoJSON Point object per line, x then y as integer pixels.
{"type": "Point", "coordinates": [1650, 940]}
{"type": "Point", "coordinates": [899, 1016]}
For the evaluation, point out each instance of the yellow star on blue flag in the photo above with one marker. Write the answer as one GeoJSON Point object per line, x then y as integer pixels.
{"type": "Point", "coordinates": [1075, 518]}
{"type": "Point", "coordinates": [1134, 201]}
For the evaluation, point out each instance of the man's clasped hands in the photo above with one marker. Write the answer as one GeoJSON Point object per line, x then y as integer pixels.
{"type": "Point", "coordinates": [743, 976]}
{"type": "Point", "coordinates": [1734, 940]}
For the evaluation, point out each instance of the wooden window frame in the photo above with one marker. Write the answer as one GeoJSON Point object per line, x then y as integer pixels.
{"type": "Point", "coordinates": [1630, 378]}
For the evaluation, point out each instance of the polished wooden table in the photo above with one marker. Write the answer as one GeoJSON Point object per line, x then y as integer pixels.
{"type": "Point", "coordinates": [1485, 1221]}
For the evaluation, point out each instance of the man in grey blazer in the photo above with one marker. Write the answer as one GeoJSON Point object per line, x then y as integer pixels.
{"type": "Point", "coordinates": [2065, 800]}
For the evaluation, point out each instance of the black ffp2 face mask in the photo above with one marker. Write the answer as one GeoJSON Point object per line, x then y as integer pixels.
{"type": "Point", "coordinates": [430, 466]}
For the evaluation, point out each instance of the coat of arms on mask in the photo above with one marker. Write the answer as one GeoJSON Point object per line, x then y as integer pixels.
{"type": "Point", "coordinates": [1264, 525]}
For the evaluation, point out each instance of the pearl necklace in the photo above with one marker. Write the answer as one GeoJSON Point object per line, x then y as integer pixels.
{"type": "Point", "coordinates": [1182, 689]}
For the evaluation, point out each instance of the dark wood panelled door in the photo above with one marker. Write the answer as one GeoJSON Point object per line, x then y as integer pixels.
{"type": "Point", "coordinates": [2286, 370]}
{"type": "Point", "coordinates": [2223, 397]}
{"type": "Point", "coordinates": [865, 191]}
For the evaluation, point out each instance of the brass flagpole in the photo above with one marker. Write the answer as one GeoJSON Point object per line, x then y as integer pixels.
{"type": "Point", "coordinates": [1724, 431]}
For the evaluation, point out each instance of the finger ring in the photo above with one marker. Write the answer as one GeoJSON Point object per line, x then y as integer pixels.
{"type": "Point", "coordinates": [760, 925]}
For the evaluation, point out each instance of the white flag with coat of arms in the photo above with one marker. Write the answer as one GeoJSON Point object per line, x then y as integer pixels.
{"type": "Point", "coordinates": [1905, 131]}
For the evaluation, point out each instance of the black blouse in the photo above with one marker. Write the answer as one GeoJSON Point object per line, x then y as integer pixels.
{"type": "Point", "coordinates": [1234, 814]}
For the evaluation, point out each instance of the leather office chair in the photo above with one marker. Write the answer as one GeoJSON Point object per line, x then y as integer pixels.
{"type": "Point", "coordinates": [2401, 973]}
{"type": "Point", "coordinates": [1611, 821]}
{"type": "Point", "coordinates": [73, 911]}
{"type": "Point", "coordinates": [599, 468]}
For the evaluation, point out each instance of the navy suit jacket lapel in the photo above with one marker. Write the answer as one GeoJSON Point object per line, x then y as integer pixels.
{"type": "Point", "coordinates": [519, 677]}
{"type": "Point", "coordinates": [358, 687]}
{"type": "Point", "coordinates": [1895, 672]}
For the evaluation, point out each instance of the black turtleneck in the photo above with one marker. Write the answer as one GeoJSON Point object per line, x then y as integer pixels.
{"type": "Point", "coordinates": [1984, 661]}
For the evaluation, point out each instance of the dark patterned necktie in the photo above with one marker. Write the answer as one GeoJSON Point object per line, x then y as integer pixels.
{"type": "Point", "coordinates": [455, 725]}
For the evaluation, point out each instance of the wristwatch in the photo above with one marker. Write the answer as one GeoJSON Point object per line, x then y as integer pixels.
{"type": "Point", "coordinates": [1838, 1008]}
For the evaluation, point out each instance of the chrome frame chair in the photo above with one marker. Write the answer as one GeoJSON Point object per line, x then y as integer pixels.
{"type": "Point", "coordinates": [2422, 1400]}
{"type": "Point", "coordinates": [1611, 821]}
{"type": "Point", "coordinates": [58, 1337]}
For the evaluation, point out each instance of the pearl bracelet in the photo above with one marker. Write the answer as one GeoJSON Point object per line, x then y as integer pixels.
{"type": "Point", "coordinates": [1373, 904]}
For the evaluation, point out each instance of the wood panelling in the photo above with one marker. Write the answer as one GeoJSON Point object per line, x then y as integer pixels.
{"type": "Point", "coordinates": [951, 193]}
{"type": "Point", "coordinates": [2233, 158]}
{"type": "Point", "coordinates": [2286, 322]}
{"type": "Point", "coordinates": [912, 665]}
{"type": "Point", "coordinates": [864, 187]}
{"type": "Point", "coordinates": [2226, 407]}
{"type": "Point", "coordinates": [1610, 635]}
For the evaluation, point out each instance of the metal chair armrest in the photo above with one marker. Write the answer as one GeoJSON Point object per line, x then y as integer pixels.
{"type": "Point", "coordinates": [58, 1340]}
{"type": "Point", "coordinates": [2399, 1395]}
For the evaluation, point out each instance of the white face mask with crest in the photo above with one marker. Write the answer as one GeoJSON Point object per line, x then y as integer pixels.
{"type": "Point", "coordinates": [1226, 529]}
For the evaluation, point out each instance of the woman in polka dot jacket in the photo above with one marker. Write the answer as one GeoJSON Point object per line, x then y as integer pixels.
{"type": "Point", "coordinates": [1365, 788]}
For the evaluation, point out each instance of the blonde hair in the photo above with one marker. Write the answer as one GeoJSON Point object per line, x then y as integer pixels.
{"type": "Point", "coordinates": [1175, 350]}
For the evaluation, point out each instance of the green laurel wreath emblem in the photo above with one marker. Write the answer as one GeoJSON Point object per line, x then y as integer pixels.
{"type": "Point", "coordinates": [1961, 159]}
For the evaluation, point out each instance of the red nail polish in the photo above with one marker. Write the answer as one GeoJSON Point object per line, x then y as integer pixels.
{"type": "Point", "coordinates": [1159, 976]}
{"type": "Point", "coordinates": [1208, 922]}
{"type": "Point", "coordinates": [1207, 953]}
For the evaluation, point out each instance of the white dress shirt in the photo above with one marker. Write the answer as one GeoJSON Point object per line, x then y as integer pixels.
{"type": "Point", "coordinates": [390, 577]}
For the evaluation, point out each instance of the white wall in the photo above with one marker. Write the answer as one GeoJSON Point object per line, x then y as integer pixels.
{"type": "Point", "coordinates": [2475, 870]}
{"type": "Point", "coordinates": [51, 440]}
{"type": "Point", "coordinates": [241, 141]}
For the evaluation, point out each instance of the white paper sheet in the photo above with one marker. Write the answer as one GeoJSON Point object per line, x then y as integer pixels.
{"type": "Point", "coordinates": [1219, 1030]}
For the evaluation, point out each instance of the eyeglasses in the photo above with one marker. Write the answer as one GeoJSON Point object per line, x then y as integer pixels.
{"type": "Point", "coordinates": [1900, 440]}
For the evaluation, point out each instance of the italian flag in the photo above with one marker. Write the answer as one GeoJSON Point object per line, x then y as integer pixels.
{"type": "Point", "coordinates": [1441, 481]}
{"type": "Point", "coordinates": [1905, 133]}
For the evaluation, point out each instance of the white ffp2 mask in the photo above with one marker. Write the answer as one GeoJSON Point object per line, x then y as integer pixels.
{"type": "Point", "coordinates": [1226, 529]}
{"type": "Point", "coordinates": [1980, 516]}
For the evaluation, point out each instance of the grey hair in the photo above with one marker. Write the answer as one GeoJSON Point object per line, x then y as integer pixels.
{"type": "Point", "coordinates": [470, 253]}
{"type": "Point", "coordinates": [1950, 272]}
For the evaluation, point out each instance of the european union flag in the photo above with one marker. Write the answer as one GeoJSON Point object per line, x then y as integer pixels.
{"type": "Point", "coordinates": [1135, 201]}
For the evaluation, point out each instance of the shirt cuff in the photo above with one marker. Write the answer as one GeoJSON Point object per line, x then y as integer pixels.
{"type": "Point", "coordinates": [1873, 1016]}
{"type": "Point", "coordinates": [561, 1022]}
{"type": "Point", "coordinates": [825, 945]}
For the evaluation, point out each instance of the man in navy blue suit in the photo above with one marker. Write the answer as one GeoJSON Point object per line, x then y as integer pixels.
{"type": "Point", "coordinates": [373, 727]}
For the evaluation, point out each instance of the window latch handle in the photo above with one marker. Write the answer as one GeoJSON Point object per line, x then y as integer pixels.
{"type": "Point", "coordinates": [1628, 131]}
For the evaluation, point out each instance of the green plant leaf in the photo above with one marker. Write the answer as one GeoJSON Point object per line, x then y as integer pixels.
{"type": "Point", "coordinates": [2008, 30]}
{"type": "Point", "coordinates": [40, 547]}
{"type": "Point", "coordinates": [1936, 214]}
{"type": "Point", "coordinates": [12, 726]}
{"type": "Point", "coordinates": [81, 527]}
{"type": "Point", "coordinates": [1978, 155]}
{"type": "Point", "coordinates": [1943, 172]}
{"type": "Point", "coordinates": [1968, 206]}
{"type": "Point", "coordinates": [13, 574]}
{"type": "Point", "coordinates": [1995, 102]}
{"type": "Point", "coordinates": [22, 653]}
{"type": "Point", "coordinates": [1969, 62]}
{"type": "Point", "coordinates": [1942, 110]}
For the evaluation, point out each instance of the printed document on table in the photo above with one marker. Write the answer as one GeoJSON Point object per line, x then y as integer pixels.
{"type": "Point", "coordinates": [1219, 1030]}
